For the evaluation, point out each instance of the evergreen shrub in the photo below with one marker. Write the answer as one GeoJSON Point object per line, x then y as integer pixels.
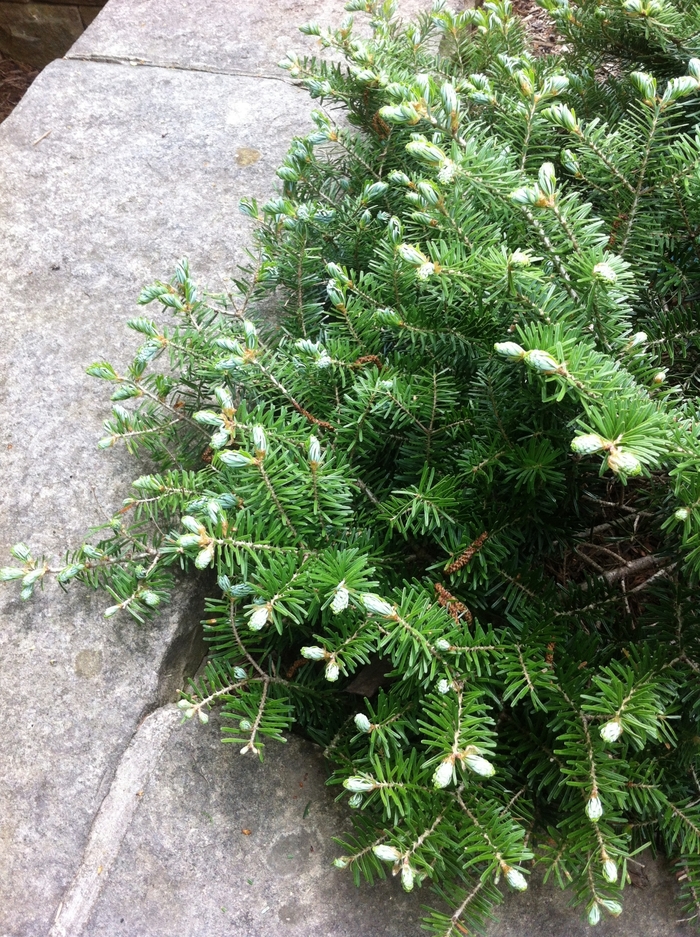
{"type": "Point", "coordinates": [458, 475]}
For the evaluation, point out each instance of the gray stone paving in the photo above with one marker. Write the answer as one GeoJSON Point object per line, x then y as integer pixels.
{"type": "Point", "coordinates": [110, 173]}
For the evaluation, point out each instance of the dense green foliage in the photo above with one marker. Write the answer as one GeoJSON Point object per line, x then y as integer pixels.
{"type": "Point", "coordinates": [465, 459]}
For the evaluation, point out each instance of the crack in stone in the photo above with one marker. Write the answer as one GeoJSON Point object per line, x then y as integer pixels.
{"type": "Point", "coordinates": [146, 63]}
{"type": "Point", "coordinates": [113, 820]}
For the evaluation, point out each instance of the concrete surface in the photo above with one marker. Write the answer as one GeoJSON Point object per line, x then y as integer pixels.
{"type": "Point", "coordinates": [112, 823]}
{"type": "Point", "coordinates": [139, 168]}
{"type": "Point", "coordinates": [237, 36]}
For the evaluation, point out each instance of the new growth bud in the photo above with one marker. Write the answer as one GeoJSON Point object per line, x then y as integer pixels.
{"type": "Point", "coordinates": [624, 463]}
{"type": "Point", "coordinates": [611, 731]}
{"type": "Point", "coordinates": [386, 853]}
{"type": "Point", "coordinates": [515, 878]}
{"type": "Point", "coordinates": [358, 785]}
{"type": "Point", "coordinates": [541, 361]}
{"type": "Point", "coordinates": [594, 808]}
{"type": "Point", "coordinates": [363, 723]}
{"type": "Point", "coordinates": [480, 766]}
{"type": "Point", "coordinates": [585, 445]}
{"type": "Point", "coordinates": [259, 618]}
{"type": "Point", "coordinates": [375, 603]}
{"type": "Point", "coordinates": [314, 653]}
{"type": "Point", "coordinates": [609, 871]}
{"type": "Point", "coordinates": [510, 350]}
{"type": "Point", "coordinates": [340, 599]}
{"type": "Point", "coordinates": [443, 773]}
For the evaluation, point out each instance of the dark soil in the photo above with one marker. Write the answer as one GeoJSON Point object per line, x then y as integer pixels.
{"type": "Point", "coordinates": [539, 27]}
{"type": "Point", "coordinates": [15, 78]}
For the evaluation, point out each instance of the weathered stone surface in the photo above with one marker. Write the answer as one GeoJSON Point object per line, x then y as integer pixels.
{"type": "Point", "coordinates": [38, 33]}
{"type": "Point", "coordinates": [138, 169]}
{"type": "Point", "coordinates": [252, 41]}
{"type": "Point", "coordinates": [187, 866]}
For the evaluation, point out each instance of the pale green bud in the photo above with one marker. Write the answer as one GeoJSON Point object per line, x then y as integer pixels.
{"type": "Point", "coordinates": [358, 785]}
{"type": "Point", "coordinates": [332, 671]}
{"type": "Point", "coordinates": [341, 862]}
{"type": "Point", "coordinates": [184, 704]}
{"type": "Point", "coordinates": [659, 378]}
{"type": "Point", "coordinates": [594, 808]}
{"type": "Point", "coordinates": [510, 350]}
{"type": "Point", "coordinates": [515, 879]}
{"type": "Point", "coordinates": [340, 599]}
{"type": "Point", "coordinates": [611, 731]}
{"type": "Point", "coordinates": [314, 653]}
{"type": "Point", "coordinates": [245, 725]}
{"type": "Point", "coordinates": [428, 152]}
{"type": "Point", "coordinates": [21, 551]}
{"type": "Point", "coordinates": [443, 773]}
{"type": "Point", "coordinates": [315, 454]}
{"type": "Point", "coordinates": [605, 272]}
{"type": "Point", "coordinates": [637, 339]}
{"type": "Point", "coordinates": [375, 603]}
{"type": "Point", "coordinates": [612, 907]}
{"type": "Point", "coordinates": [203, 717]}
{"type": "Point", "coordinates": [219, 439]}
{"type": "Point", "coordinates": [150, 598]}
{"type": "Point", "coordinates": [224, 398]}
{"type": "Point", "coordinates": [363, 723]}
{"type": "Point", "coordinates": [235, 459]}
{"type": "Point", "coordinates": [412, 255]}
{"type": "Point", "coordinates": [111, 611]}
{"type": "Point", "coordinates": [31, 577]}
{"type": "Point", "coordinates": [585, 445]}
{"type": "Point", "coordinates": [546, 179]}
{"type": "Point", "coordinates": [208, 418]}
{"type": "Point", "coordinates": [259, 439]}
{"type": "Point", "coordinates": [425, 270]}
{"type": "Point", "coordinates": [205, 556]}
{"type": "Point", "coordinates": [188, 540]}
{"type": "Point", "coordinates": [541, 361]}
{"type": "Point", "coordinates": [444, 686]}
{"type": "Point", "coordinates": [355, 801]}
{"type": "Point", "coordinates": [442, 644]}
{"type": "Point", "coordinates": [594, 914]}
{"type": "Point", "coordinates": [239, 673]}
{"type": "Point", "coordinates": [480, 766]}
{"type": "Point", "coordinates": [407, 877]}
{"type": "Point", "coordinates": [8, 573]}
{"type": "Point", "coordinates": [624, 462]}
{"type": "Point", "coordinates": [259, 618]}
{"type": "Point", "coordinates": [682, 514]}
{"type": "Point", "coordinates": [386, 853]}
{"type": "Point", "coordinates": [610, 871]}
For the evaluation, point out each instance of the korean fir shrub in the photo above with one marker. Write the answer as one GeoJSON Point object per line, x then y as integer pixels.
{"type": "Point", "coordinates": [458, 474]}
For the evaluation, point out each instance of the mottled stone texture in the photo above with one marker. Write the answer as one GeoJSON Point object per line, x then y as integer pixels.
{"type": "Point", "coordinates": [138, 170]}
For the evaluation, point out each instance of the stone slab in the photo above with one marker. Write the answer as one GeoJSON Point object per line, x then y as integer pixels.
{"type": "Point", "coordinates": [188, 866]}
{"type": "Point", "coordinates": [138, 169]}
{"type": "Point", "coordinates": [38, 33]}
{"type": "Point", "coordinates": [206, 34]}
